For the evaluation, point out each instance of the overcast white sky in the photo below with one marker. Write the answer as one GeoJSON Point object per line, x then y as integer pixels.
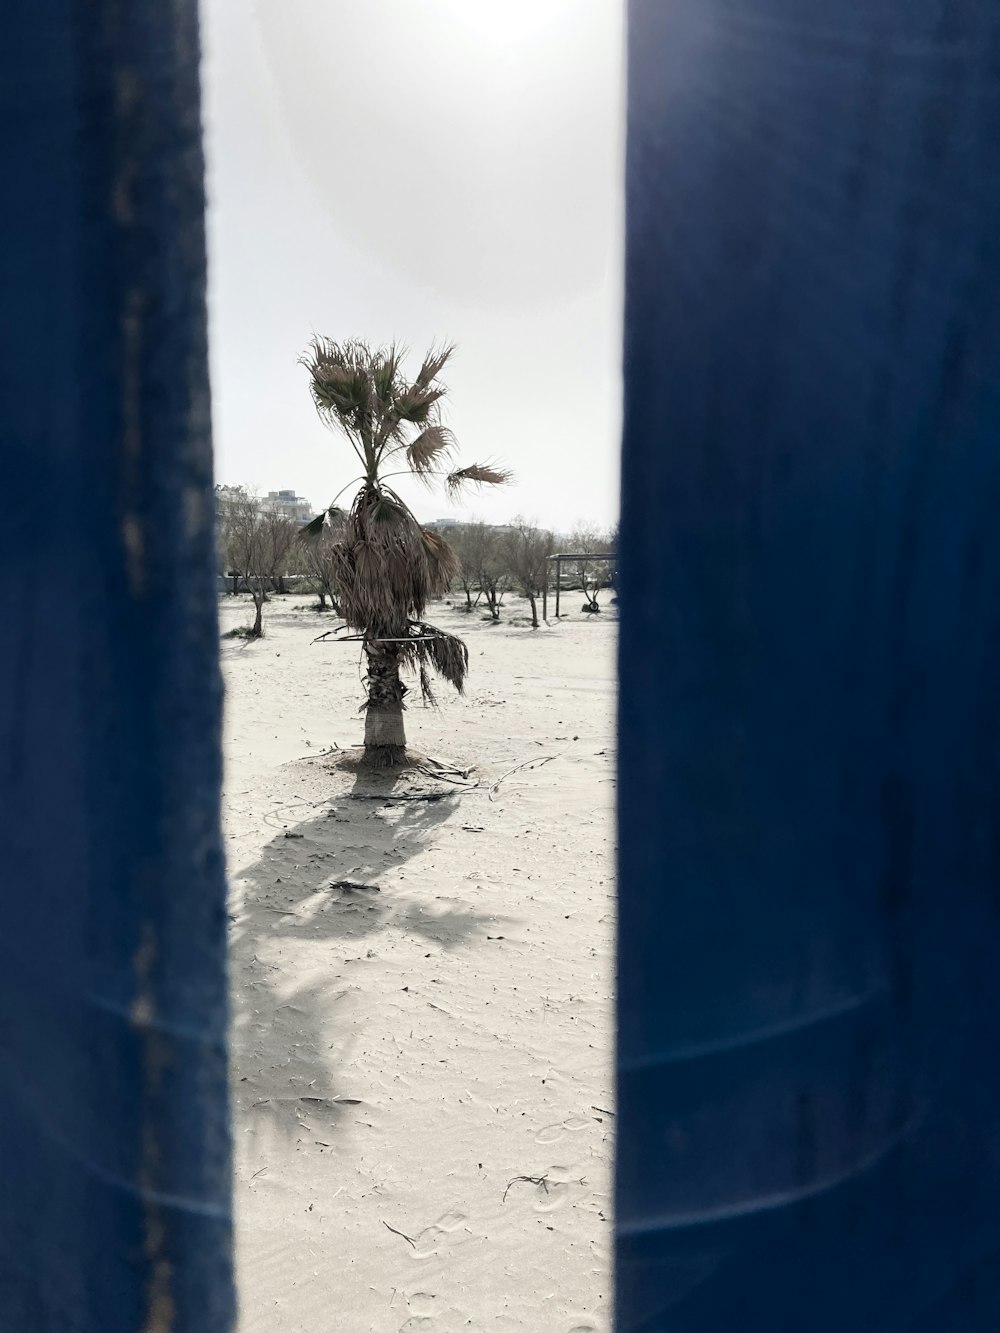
{"type": "Point", "coordinates": [424, 170]}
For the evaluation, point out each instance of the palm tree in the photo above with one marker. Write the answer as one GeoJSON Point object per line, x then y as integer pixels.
{"type": "Point", "coordinates": [386, 565]}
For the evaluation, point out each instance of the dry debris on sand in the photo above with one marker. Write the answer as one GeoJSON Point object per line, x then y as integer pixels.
{"type": "Point", "coordinates": [422, 986]}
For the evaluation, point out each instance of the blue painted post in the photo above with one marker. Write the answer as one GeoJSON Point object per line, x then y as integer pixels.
{"type": "Point", "coordinates": [114, 1140]}
{"type": "Point", "coordinates": [809, 955]}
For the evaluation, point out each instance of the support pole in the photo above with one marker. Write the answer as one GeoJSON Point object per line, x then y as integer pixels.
{"type": "Point", "coordinates": [809, 742]}
{"type": "Point", "coordinates": [114, 1134]}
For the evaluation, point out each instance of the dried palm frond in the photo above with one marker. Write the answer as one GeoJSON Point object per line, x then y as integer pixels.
{"type": "Point", "coordinates": [427, 646]}
{"type": "Point", "coordinates": [428, 446]}
{"type": "Point", "coordinates": [434, 363]}
{"type": "Point", "coordinates": [350, 382]}
{"type": "Point", "coordinates": [443, 561]}
{"type": "Point", "coordinates": [338, 383]}
{"type": "Point", "coordinates": [426, 691]}
{"type": "Point", "coordinates": [387, 567]}
{"type": "Point", "coordinates": [385, 371]}
{"type": "Point", "coordinates": [414, 405]}
{"type": "Point", "coordinates": [378, 506]}
{"type": "Point", "coordinates": [448, 656]}
{"type": "Point", "coordinates": [477, 474]}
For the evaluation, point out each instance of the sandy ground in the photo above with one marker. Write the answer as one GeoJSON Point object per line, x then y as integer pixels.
{"type": "Point", "coordinates": [422, 1067]}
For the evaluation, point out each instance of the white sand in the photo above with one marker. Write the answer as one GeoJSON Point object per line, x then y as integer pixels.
{"type": "Point", "coordinates": [400, 1056]}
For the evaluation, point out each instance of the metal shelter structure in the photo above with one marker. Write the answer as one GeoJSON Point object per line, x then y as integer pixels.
{"type": "Point", "coordinates": [558, 560]}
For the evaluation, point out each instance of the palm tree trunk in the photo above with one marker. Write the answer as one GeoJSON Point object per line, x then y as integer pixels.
{"type": "Point", "coordinates": [385, 739]}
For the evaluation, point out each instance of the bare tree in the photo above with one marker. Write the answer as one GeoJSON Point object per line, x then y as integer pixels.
{"type": "Point", "coordinates": [257, 542]}
{"type": "Point", "coordinates": [487, 554]}
{"type": "Point", "coordinates": [293, 559]}
{"type": "Point", "coordinates": [221, 552]}
{"type": "Point", "coordinates": [463, 541]}
{"type": "Point", "coordinates": [280, 546]}
{"type": "Point", "coordinates": [526, 549]}
{"type": "Point", "coordinates": [483, 566]}
{"type": "Point", "coordinates": [318, 557]}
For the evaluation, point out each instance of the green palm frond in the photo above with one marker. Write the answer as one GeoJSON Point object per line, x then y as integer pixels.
{"type": "Point", "coordinates": [314, 527]}
{"type": "Point", "coordinates": [330, 518]}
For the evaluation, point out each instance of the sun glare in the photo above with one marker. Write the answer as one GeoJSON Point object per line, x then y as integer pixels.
{"type": "Point", "coordinates": [505, 21]}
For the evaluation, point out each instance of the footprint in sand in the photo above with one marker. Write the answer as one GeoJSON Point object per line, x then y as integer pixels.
{"type": "Point", "coordinates": [553, 1133]}
{"type": "Point", "coordinates": [421, 1320]}
{"type": "Point", "coordinates": [551, 1198]}
{"type": "Point", "coordinates": [432, 1237]}
{"type": "Point", "coordinates": [556, 1190]}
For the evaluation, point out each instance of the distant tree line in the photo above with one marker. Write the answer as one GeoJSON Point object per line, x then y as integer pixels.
{"type": "Point", "coordinates": [261, 551]}
{"type": "Point", "coordinates": [515, 558]}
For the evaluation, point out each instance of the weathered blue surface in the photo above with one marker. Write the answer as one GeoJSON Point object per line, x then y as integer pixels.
{"type": "Point", "coordinates": [809, 1127]}
{"type": "Point", "coordinates": [114, 1142]}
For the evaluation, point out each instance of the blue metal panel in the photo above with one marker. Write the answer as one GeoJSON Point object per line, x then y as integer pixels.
{"type": "Point", "coordinates": [809, 986]}
{"type": "Point", "coordinates": [114, 1140]}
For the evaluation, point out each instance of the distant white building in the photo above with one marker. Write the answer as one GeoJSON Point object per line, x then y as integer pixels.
{"type": "Point", "coordinates": [446, 523]}
{"type": "Point", "coordinates": [289, 505]}
{"type": "Point", "coordinates": [223, 494]}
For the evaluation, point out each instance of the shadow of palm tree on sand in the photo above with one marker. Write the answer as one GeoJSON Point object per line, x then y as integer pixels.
{"type": "Point", "coordinates": [313, 904]}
